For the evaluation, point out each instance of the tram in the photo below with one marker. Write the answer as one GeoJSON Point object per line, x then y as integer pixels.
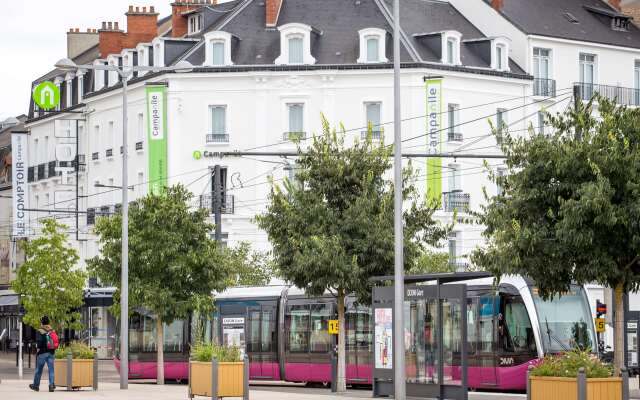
{"type": "Point", "coordinates": [285, 334]}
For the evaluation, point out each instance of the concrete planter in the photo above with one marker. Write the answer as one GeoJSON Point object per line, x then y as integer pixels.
{"type": "Point", "coordinates": [76, 373]}
{"type": "Point", "coordinates": [219, 379]}
{"type": "Point", "coordinates": [580, 388]}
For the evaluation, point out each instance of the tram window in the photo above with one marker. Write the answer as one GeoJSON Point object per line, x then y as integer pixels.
{"type": "Point", "coordinates": [320, 340]}
{"type": "Point", "coordinates": [268, 331]}
{"type": "Point", "coordinates": [297, 324]}
{"type": "Point", "coordinates": [487, 307]}
{"type": "Point", "coordinates": [516, 334]}
{"type": "Point", "coordinates": [472, 323]}
{"type": "Point", "coordinates": [253, 341]}
{"type": "Point", "coordinates": [173, 336]}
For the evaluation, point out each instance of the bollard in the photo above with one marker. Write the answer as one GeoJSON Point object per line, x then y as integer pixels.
{"type": "Point", "coordinates": [214, 378]}
{"type": "Point", "coordinates": [624, 373]}
{"type": "Point", "coordinates": [245, 380]}
{"type": "Point", "coordinates": [334, 372]}
{"type": "Point", "coordinates": [95, 371]}
{"type": "Point", "coordinates": [582, 384]}
{"type": "Point", "coordinates": [189, 392]}
{"type": "Point", "coordinates": [529, 369]}
{"type": "Point", "coordinates": [29, 366]}
{"type": "Point", "coordinates": [69, 372]}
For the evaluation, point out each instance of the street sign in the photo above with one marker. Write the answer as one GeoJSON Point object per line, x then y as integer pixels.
{"type": "Point", "coordinates": [334, 328]}
{"type": "Point", "coordinates": [600, 326]}
{"type": "Point", "coordinates": [46, 95]}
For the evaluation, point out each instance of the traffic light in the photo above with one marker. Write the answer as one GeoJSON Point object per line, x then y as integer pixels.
{"type": "Point", "coordinates": [601, 308]}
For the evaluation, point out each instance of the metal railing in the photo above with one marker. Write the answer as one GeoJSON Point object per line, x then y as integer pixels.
{"type": "Point", "coordinates": [108, 153]}
{"type": "Point", "coordinates": [454, 136]}
{"type": "Point", "coordinates": [375, 135]}
{"type": "Point", "coordinates": [456, 200]}
{"type": "Point", "coordinates": [95, 156]}
{"type": "Point", "coordinates": [91, 216]}
{"type": "Point", "coordinates": [294, 136]}
{"type": "Point", "coordinates": [217, 138]}
{"type": "Point", "coordinates": [544, 87]}
{"type": "Point", "coordinates": [621, 95]}
{"type": "Point", "coordinates": [228, 203]}
{"type": "Point", "coordinates": [138, 145]}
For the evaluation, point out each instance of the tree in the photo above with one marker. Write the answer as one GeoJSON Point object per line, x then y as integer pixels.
{"type": "Point", "coordinates": [569, 208]}
{"type": "Point", "coordinates": [332, 229]}
{"type": "Point", "coordinates": [248, 268]}
{"type": "Point", "coordinates": [48, 282]}
{"type": "Point", "coordinates": [174, 265]}
{"type": "Point", "coordinates": [431, 262]}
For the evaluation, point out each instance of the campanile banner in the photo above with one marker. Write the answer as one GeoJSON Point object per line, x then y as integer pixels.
{"type": "Point", "coordinates": [434, 138]}
{"type": "Point", "coordinates": [20, 164]}
{"type": "Point", "coordinates": [157, 136]}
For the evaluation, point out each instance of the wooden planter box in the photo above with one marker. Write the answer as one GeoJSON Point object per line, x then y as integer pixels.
{"type": "Point", "coordinates": [82, 374]}
{"type": "Point", "coordinates": [550, 388]}
{"type": "Point", "coordinates": [230, 379]}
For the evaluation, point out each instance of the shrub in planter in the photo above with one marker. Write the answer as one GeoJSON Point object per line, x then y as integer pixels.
{"type": "Point", "coordinates": [230, 377]}
{"type": "Point", "coordinates": [82, 366]}
{"type": "Point", "coordinates": [556, 377]}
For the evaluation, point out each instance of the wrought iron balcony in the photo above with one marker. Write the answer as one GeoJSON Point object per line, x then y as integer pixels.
{"type": "Point", "coordinates": [138, 145]}
{"type": "Point", "coordinates": [91, 216]}
{"type": "Point", "coordinates": [456, 200]}
{"type": "Point", "coordinates": [375, 135]}
{"type": "Point", "coordinates": [294, 136]}
{"type": "Point", "coordinates": [454, 136]}
{"type": "Point", "coordinates": [620, 95]}
{"type": "Point", "coordinates": [95, 156]}
{"type": "Point", "coordinates": [217, 138]}
{"type": "Point", "coordinates": [108, 153]}
{"type": "Point", "coordinates": [544, 87]}
{"type": "Point", "coordinates": [206, 202]}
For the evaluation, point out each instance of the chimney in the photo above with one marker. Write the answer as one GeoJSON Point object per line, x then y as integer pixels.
{"type": "Point", "coordinates": [178, 21]}
{"type": "Point", "coordinates": [79, 42]}
{"type": "Point", "coordinates": [497, 4]}
{"type": "Point", "coordinates": [272, 12]}
{"type": "Point", "coordinates": [110, 39]}
{"type": "Point", "coordinates": [142, 26]}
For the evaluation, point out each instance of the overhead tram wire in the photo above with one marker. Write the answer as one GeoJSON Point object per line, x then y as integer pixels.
{"type": "Point", "coordinates": [426, 115]}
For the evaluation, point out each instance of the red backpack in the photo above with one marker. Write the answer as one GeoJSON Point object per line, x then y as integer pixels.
{"type": "Point", "coordinates": [52, 340]}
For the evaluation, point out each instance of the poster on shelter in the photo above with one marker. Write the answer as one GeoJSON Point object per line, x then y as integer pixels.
{"type": "Point", "coordinates": [383, 338]}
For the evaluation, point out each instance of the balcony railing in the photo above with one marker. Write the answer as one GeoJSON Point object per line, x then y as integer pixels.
{"type": "Point", "coordinates": [108, 153]}
{"type": "Point", "coordinates": [91, 216]}
{"type": "Point", "coordinates": [375, 135]}
{"type": "Point", "coordinates": [42, 171]}
{"type": "Point", "coordinates": [620, 95]}
{"type": "Point", "coordinates": [217, 138]}
{"type": "Point", "coordinates": [95, 156]}
{"type": "Point", "coordinates": [456, 200]}
{"type": "Point", "coordinates": [454, 136]}
{"type": "Point", "coordinates": [544, 87]}
{"type": "Point", "coordinates": [138, 145]}
{"type": "Point", "coordinates": [206, 202]}
{"type": "Point", "coordinates": [288, 136]}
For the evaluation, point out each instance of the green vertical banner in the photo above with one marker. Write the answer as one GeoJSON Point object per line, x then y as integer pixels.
{"type": "Point", "coordinates": [434, 138]}
{"type": "Point", "coordinates": [157, 137]}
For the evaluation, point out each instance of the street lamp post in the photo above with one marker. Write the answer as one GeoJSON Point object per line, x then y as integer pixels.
{"type": "Point", "coordinates": [124, 72]}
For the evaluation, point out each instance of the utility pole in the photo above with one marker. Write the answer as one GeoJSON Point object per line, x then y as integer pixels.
{"type": "Point", "coordinates": [399, 381]}
{"type": "Point", "coordinates": [577, 99]}
{"type": "Point", "coordinates": [216, 183]}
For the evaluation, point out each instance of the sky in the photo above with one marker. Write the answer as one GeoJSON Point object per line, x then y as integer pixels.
{"type": "Point", "coordinates": [33, 37]}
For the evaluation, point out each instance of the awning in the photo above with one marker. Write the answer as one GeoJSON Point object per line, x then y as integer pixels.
{"type": "Point", "coordinates": [9, 300]}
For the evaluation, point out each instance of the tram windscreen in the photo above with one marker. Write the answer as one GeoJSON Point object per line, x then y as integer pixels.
{"type": "Point", "coordinates": [565, 321]}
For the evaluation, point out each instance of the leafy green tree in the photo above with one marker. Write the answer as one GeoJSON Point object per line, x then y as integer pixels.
{"type": "Point", "coordinates": [332, 229]}
{"type": "Point", "coordinates": [247, 267]}
{"type": "Point", "coordinates": [569, 208]}
{"type": "Point", "coordinates": [48, 282]}
{"type": "Point", "coordinates": [174, 265]}
{"type": "Point", "coordinates": [431, 262]}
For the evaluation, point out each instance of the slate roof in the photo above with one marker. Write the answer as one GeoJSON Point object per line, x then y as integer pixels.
{"type": "Point", "coordinates": [545, 18]}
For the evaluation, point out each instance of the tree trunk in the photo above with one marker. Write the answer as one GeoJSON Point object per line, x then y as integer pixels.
{"type": "Point", "coordinates": [618, 329]}
{"type": "Point", "coordinates": [342, 381]}
{"type": "Point", "coordinates": [160, 347]}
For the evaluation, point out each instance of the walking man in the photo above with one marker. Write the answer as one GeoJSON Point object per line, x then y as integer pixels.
{"type": "Point", "coordinates": [47, 343]}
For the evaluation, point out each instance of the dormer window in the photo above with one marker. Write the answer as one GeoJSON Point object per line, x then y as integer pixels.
{"type": "Point", "coordinates": [372, 45]}
{"type": "Point", "coordinates": [451, 47]}
{"type": "Point", "coordinates": [295, 44]}
{"type": "Point", "coordinates": [500, 55]}
{"type": "Point", "coordinates": [195, 23]}
{"type": "Point", "coordinates": [158, 52]}
{"type": "Point", "coordinates": [218, 48]}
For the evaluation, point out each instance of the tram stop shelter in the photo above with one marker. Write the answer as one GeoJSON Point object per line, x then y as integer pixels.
{"type": "Point", "coordinates": [435, 335]}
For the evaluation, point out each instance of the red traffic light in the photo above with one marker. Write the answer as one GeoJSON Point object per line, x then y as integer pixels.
{"type": "Point", "coordinates": [601, 308]}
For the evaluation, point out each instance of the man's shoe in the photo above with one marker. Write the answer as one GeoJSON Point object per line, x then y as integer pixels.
{"type": "Point", "coordinates": [34, 388]}
{"type": "Point", "coordinates": [52, 388]}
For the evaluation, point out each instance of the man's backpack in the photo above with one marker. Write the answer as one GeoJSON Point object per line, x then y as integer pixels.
{"type": "Point", "coordinates": [52, 340]}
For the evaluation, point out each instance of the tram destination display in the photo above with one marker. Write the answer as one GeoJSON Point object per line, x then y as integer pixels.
{"type": "Point", "coordinates": [383, 338]}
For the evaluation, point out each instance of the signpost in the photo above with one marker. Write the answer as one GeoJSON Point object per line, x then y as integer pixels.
{"type": "Point", "coordinates": [334, 327]}
{"type": "Point", "coordinates": [46, 95]}
{"type": "Point", "coordinates": [600, 325]}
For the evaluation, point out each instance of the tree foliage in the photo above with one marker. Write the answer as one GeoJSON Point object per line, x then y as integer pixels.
{"type": "Point", "coordinates": [431, 262]}
{"type": "Point", "coordinates": [48, 282]}
{"type": "Point", "coordinates": [569, 208]}
{"type": "Point", "coordinates": [247, 267]}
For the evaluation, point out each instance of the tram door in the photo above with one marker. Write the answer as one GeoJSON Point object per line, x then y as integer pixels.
{"type": "Point", "coordinates": [358, 345]}
{"type": "Point", "coordinates": [261, 343]}
{"type": "Point", "coordinates": [486, 350]}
